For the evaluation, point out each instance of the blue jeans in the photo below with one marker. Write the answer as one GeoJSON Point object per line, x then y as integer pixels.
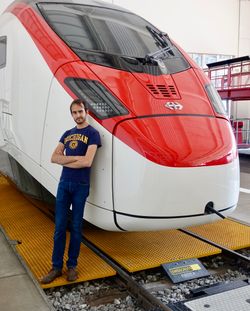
{"type": "Point", "coordinates": [68, 193]}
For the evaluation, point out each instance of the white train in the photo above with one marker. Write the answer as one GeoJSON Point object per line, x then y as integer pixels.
{"type": "Point", "coordinates": [168, 148]}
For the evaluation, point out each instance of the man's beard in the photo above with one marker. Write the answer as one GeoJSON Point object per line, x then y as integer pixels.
{"type": "Point", "coordinates": [80, 120]}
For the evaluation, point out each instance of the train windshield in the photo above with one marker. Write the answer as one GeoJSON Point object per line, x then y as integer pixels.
{"type": "Point", "coordinates": [111, 37]}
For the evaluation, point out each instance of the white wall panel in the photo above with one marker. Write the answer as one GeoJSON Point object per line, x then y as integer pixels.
{"type": "Point", "coordinates": [4, 4]}
{"type": "Point", "coordinates": [244, 41]}
{"type": "Point", "coordinates": [209, 27]}
{"type": "Point", "coordinates": [241, 109]}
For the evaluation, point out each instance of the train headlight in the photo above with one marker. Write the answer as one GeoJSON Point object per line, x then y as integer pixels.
{"type": "Point", "coordinates": [99, 100]}
{"type": "Point", "coordinates": [215, 99]}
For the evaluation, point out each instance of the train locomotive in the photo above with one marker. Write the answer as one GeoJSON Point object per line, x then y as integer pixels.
{"type": "Point", "coordinates": [168, 150]}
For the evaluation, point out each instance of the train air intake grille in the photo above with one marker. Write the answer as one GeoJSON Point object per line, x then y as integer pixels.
{"type": "Point", "coordinates": [161, 90]}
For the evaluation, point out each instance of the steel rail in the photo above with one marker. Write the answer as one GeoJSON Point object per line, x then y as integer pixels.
{"type": "Point", "coordinates": [144, 297]}
{"type": "Point", "coordinates": [223, 248]}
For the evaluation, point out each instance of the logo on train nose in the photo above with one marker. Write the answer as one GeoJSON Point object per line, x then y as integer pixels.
{"type": "Point", "coordinates": [173, 106]}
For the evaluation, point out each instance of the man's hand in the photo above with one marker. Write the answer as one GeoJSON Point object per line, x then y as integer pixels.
{"type": "Point", "coordinates": [59, 157]}
{"type": "Point", "coordinates": [83, 161]}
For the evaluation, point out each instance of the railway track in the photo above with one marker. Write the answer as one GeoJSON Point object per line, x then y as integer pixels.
{"type": "Point", "coordinates": [144, 295]}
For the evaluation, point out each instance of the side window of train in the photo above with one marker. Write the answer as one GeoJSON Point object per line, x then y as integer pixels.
{"type": "Point", "coordinates": [3, 48]}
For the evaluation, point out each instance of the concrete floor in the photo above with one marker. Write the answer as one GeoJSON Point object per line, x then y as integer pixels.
{"type": "Point", "coordinates": [18, 289]}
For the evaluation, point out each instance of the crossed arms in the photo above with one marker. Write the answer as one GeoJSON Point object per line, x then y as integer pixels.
{"type": "Point", "coordinates": [59, 157]}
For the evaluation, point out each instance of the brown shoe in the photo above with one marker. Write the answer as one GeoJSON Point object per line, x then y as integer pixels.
{"type": "Point", "coordinates": [51, 276]}
{"type": "Point", "coordinates": [72, 275]}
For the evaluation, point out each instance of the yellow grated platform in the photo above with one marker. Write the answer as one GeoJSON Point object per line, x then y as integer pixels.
{"type": "Point", "coordinates": [137, 251]}
{"type": "Point", "coordinates": [25, 223]}
{"type": "Point", "coordinates": [134, 251]}
{"type": "Point", "coordinates": [227, 233]}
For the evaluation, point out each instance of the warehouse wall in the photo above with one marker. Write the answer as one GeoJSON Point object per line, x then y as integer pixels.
{"type": "Point", "coordinates": [244, 33]}
{"type": "Point", "coordinates": [210, 27]}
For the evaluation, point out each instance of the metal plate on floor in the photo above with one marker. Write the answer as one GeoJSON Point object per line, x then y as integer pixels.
{"type": "Point", "coordinates": [185, 270]}
{"type": "Point", "coordinates": [232, 300]}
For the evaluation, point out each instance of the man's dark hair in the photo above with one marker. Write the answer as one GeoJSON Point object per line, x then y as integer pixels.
{"type": "Point", "coordinates": [78, 102]}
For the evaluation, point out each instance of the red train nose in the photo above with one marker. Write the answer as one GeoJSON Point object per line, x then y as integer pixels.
{"type": "Point", "coordinates": [180, 140]}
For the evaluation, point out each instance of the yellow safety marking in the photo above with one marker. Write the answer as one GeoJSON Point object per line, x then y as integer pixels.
{"type": "Point", "coordinates": [25, 223]}
{"type": "Point", "coordinates": [137, 251]}
{"type": "Point", "coordinates": [227, 233]}
{"type": "Point", "coordinates": [183, 269]}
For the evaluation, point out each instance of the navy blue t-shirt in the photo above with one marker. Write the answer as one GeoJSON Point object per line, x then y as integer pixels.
{"type": "Point", "coordinates": [76, 142]}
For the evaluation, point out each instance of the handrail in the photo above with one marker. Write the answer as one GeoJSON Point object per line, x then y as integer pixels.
{"type": "Point", "coordinates": [230, 76]}
{"type": "Point", "coordinates": [241, 129]}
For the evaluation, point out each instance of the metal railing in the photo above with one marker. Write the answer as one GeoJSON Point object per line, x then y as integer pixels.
{"type": "Point", "coordinates": [230, 76]}
{"type": "Point", "coordinates": [241, 129]}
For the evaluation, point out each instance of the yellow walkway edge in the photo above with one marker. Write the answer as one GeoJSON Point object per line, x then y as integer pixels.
{"type": "Point", "coordinates": [136, 251]}
{"type": "Point", "coordinates": [228, 233]}
{"type": "Point", "coordinates": [22, 221]}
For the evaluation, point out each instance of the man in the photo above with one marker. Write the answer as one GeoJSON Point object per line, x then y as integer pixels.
{"type": "Point", "coordinates": [75, 152]}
